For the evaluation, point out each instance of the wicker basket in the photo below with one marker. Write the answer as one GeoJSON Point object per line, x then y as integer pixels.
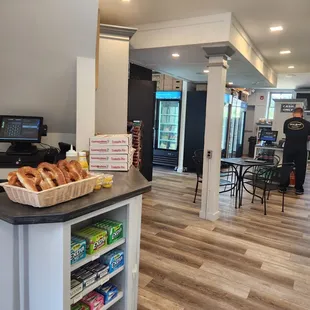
{"type": "Point", "coordinates": [51, 196]}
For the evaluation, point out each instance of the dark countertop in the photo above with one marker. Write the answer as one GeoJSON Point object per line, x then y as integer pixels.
{"type": "Point", "coordinates": [126, 185]}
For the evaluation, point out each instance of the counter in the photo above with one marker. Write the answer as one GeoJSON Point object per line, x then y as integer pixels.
{"type": "Point", "coordinates": [277, 151]}
{"type": "Point", "coordinates": [36, 245]}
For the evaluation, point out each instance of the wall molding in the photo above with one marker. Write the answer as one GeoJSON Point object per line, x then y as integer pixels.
{"type": "Point", "coordinates": [113, 31]}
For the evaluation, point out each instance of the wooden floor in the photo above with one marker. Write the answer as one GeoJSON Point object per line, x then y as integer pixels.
{"type": "Point", "coordinates": [245, 260]}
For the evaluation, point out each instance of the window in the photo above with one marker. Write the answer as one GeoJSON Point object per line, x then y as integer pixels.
{"type": "Point", "coordinates": [271, 105]}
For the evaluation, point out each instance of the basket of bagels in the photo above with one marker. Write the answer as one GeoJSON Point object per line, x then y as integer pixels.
{"type": "Point", "coordinates": [49, 184]}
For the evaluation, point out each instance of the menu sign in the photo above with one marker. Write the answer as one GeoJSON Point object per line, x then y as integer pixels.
{"type": "Point", "coordinates": [288, 107]}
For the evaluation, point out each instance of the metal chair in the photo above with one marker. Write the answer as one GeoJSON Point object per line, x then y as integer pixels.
{"type": "Point", "coordinates": [230, 174]}
{"type": "Point", "coordinates": [267, 179]}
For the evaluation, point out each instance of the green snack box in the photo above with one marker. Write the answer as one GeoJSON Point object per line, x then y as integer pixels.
{"type": "Point", "coordinates": [114, 229]}
{"type": "Point", "coordinates": [96, 238]}
{"type": "Point", "coordinates": [80, 306]}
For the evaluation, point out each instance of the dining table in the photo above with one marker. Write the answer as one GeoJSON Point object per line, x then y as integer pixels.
{"type": "Point", "coordinates": [241, 165]}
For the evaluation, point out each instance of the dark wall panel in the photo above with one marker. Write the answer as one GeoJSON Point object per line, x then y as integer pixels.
{"type": "Point", "coordinates": [141, 106]}
{"type": "Point", "coordinates": [195, 126]}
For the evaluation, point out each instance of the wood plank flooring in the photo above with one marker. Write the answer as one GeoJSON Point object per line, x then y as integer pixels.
{"type": "Point", "coordinates": [245, 260]}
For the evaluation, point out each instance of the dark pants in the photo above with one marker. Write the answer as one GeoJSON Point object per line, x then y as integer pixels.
{"type": "Point", "coordinates": [299, 157]}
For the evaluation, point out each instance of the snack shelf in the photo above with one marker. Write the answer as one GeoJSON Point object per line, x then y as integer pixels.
{"type": "Point", "coordinates": [169, 114]}
{"type": "Point", "coordinates": [168, 140]}
{"type": "Point", "coordinates": [114, 301]}
{"type": "Point", "coordinates": [90, 258]}
{"type": "Point", "coordinates": [98, 283]}
{"type": "Point", "coordinates": [169, 124]}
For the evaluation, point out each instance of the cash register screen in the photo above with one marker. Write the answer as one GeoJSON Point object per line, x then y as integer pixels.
{"type": "Point", "coordinates": [20, 129]}
{"type": "Point", "coordinates": [269, 136]}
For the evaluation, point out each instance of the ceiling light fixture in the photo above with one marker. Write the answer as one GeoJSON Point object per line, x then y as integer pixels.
{"type": "Point", "coordinates": [276, 28]}
{"type": "Point", "coordinates": [230, 83]}
{"type": "Point", "coordinates": [125, 0]}
{"type": "Point", "coordinates": [206, 71]}
{"type": "Point", "coordinates": [291, 67]}
{"type": "Point", "coordinates": [285, 52]}
{"type": "Point", "coordinates": [175, 55]}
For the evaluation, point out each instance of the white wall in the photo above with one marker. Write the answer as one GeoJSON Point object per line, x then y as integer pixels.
{"type": "Point", "coordinates": [40, 42]}
{"type": "Point", "coordinates": [260, 100]}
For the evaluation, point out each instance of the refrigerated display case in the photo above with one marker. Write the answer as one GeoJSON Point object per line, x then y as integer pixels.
{"type": "Point", "coordinates": [225, 129]}
{"type": "Point", "coordinates": [167, 125]}
{"type": "Point", "coordinates": [236, 128]}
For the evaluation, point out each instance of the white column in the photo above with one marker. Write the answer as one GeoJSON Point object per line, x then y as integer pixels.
{"type": "Point", "coordinates": [85, 102]}
{"type": "Point", "coordinates": [182, 127]}
{"type": "Point", "coordinates": [112, 92]}
{"type": "Point", "coordinates": [213, 137]}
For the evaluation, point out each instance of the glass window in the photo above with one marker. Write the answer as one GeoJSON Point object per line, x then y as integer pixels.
{"type": "Point", "coordinates": [271, 104]}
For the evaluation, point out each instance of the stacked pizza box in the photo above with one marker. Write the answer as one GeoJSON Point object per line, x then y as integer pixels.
{"type": "Point", "coordinates": [111, 152]}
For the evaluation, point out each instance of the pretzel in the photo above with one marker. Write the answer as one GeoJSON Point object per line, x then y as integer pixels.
{"type": "Point", "coordinates": [68, 172]}
{"type": "Point", "coordinates": [13, 179]}
{"type": "Point", "coordinates": [29, 177]}
{"type": "Point", "coordinates": [44, 185]}
{"type": "Point", "coordinates": [75, 166]}
{"type": "Point", "coordinates": [51, 174]}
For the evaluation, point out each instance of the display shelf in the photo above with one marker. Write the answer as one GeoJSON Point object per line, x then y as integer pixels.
{"type": "Point", "coordinates": [164, 131]}
{"type": "Point", "coordinates": [169, 124]}
{"type": "Point", "coordinates": [98, 283]}
{"type": "Point", "coordinates": [114, 301]}
{"type": "Point", "coordinates": [169, 114]}
{"type": "Point", "coordinates": [168, 140]}
{"type": "Point", "coordinates": [90, 258]}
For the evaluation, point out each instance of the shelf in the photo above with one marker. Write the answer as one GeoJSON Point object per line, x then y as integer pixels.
{"type": "Point", "coordinates": [163, 131]}
{"type": "Point", "coordinates": [98, 283]}
{"type": "Point", "coordinates": [168, 140]}
{"type": "Point", "coordinates": [114, 301]}
{"type": "Point", "coordinates": [169, 124]}
{"type": "Point", "coordinates": [90, 258]}
{"type": "Point", "coordinates": [169, 114]}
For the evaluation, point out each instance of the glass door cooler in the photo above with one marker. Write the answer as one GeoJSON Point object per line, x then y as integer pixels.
{"type": "Point", "coordinates": [166, 131]}
{"type": "Point", "coordinates": [225, 129]}
{"type": "Point", "coordinates": [236, 128]}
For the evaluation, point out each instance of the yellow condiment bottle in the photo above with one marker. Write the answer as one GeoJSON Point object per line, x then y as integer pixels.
{"type": "Point", "coordinates": [83, 161]}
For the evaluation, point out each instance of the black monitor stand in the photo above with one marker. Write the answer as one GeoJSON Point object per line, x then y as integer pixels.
{"type": "Point", "coordinates": [22, 148]}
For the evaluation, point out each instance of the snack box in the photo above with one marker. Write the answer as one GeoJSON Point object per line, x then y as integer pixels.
{"type": "Point", "coordinates": [87, 278]}
{"type": "Point", "coordinates": [109, 158]}
{"type": "Point", "coordinates": [111, 140]}
{"type": "Point", "coordinates": [114, 229]}
{"type": "Point", "coordinates": [114, 259]}
{"type": "Point", "coordinates": [109, 149]}
{"type": "Point", "coordinates": [94, 300]}
{"type": "Point", "coordinates": [80, 306]}
{"type": "Point", "coordinates": [78, 249]}
{"type": "Point", "coordinates": [97, 268]}
{"type": "Point", "coordinates": [108, 290]}
{"type": "Point", "coordinates": [76, 287]}
{"type": "Point", "coordinates": [95, 166]}
{"type": "Point", "coordinates": [96, 239]}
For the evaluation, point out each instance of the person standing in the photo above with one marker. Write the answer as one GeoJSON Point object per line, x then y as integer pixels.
{"type": "Point", "coordinates": [297, 131]}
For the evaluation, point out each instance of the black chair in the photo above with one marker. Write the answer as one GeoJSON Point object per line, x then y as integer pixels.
{"type": "Point", "coordinates": [267, 179]}
{"type": "Point", "coordinates": [229, 173]}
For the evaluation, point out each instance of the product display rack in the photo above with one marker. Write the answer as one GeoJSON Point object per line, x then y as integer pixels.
{"type": "Point", "coordinates": [90, 258]}
{"type": "Point", "coordinates": [95, 285]}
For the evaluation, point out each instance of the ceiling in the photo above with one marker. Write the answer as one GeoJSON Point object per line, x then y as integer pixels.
{"type": "Point", "coordinates": [255, 16]}
{"type": "Point", "coordinates": [193, 61]}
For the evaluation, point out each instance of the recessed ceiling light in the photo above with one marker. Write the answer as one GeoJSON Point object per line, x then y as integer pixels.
{"type": "Point", "coordinates": [276, 28]}
{"type": "Point", "coordinates": [291, 67]}
{"type": "Point", "coordinates": [175, 55]}
{"type": "Point", "coordinates": [230, 83]}
{"type": "Point", "coordinates": [125, 0]}
{"type": "Point", "coordinates": [285, 52]}
{"type": "Point", "coordinates": [206, 71]}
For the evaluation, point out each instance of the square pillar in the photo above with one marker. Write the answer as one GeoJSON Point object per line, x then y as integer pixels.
{"type": "Point", "coordinates": [213, 137]}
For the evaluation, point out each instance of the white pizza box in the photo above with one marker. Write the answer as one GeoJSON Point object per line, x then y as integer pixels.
{"type": "Point", "coordinates": [109, 158]}
{"type": "Point", "coordinates": [108, 149]}
{"type": "Point", "coordinates": [102, 140]}
{"type": "Point", "coordinates": [109, 166]}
